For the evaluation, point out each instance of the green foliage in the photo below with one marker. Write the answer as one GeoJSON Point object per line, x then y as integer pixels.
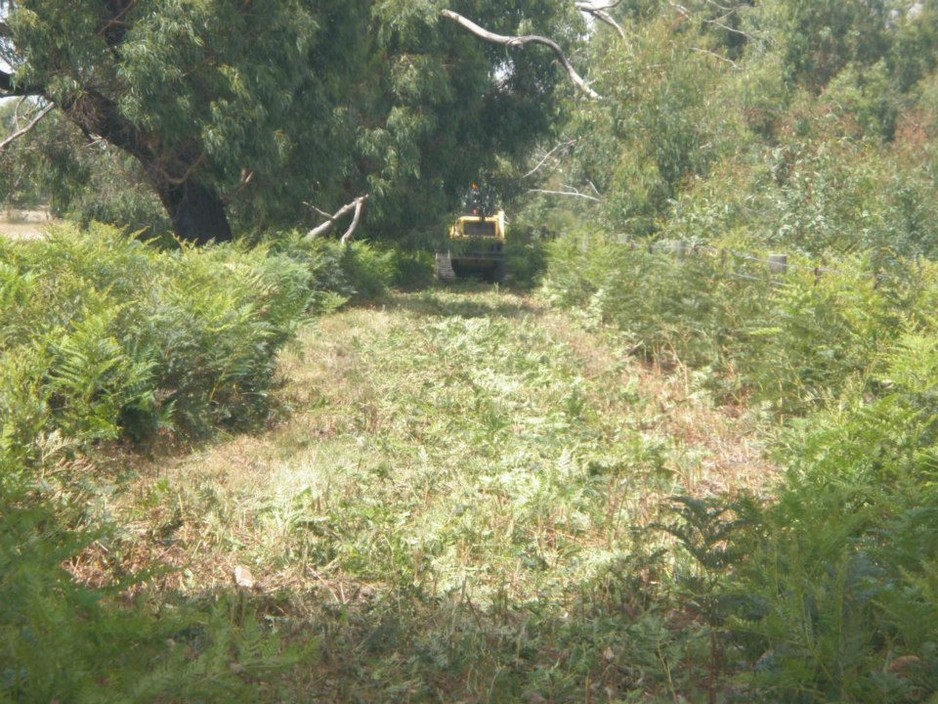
{"type": "Point", "coordinates": [525, 255]}
{"type": "Point", "coordinates": [63, 641]}
{"type": "Point", "coordinates": [828, 591]}
{"type": "Point", "coordinates": [104, 335]}
{"type": "Point", "coordinates": [275, 104]}
{"type": "Point", "coordinates": [339, 273]}
{"type": "Point", "coordinates": [793, 341]}
{"type": "Point", "coordinates": [823, 36]}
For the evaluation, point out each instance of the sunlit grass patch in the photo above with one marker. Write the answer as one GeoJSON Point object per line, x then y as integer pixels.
{"type": "Point", "coordinates": [456, 472]}
{"type": "Point", "coordinates": [452, 441]}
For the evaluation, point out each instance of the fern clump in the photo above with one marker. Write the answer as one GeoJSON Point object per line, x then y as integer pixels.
{"type": "Point", "coordinates": [827, 593]}
{"type": "Point", "coordinates": [787, 340]}
{"type": "Point", "coordinates": [62, 641]}
{"type": "Point", "coordinates": [104, 335]}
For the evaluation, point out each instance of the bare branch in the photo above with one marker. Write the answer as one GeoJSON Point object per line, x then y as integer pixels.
{"type": "Point", "coordinates": [600, 13]}
{"type": "Point", "coordinates": [683, 11]}
{"type": "Point", "coordinates": [247, 176]}
{"type": "Point", "coordinates": [331, 220]}
{"type": "Point", "coordinates": [562, 145]}
{"type": "Point", "coordinates": [359, 206]}
{"type": "Point", "coordinates": [508, 41]}
{"type": "Point", "coordinates": [592, 7]}
{"type": "Point", "coordinates": [25, 130]}
{"type": "Point", "coordinates": [722, 7]}
{"type": "Point", "coordinates": [717, 56]}
{"type": "Point", "coordinates": [568, 191]}
{"type": "Point", "coordinates": [326, 215]}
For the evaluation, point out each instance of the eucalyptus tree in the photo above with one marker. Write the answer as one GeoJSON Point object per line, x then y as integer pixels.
{"type": "Point", "coordinates": [247, 109]}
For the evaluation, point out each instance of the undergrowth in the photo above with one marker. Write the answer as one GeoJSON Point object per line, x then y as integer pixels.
{"type": "Point", "coordinates": [452, 503]}
{"type": "Point", "coordinates": [826, 592]}
{"type": "Point", "coordinates": [472, 498]}
{"type": "Point", "coordinates": [105, 338]}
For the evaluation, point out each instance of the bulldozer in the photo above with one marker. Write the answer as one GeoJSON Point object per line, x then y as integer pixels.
{"type": "Point", "coordinates": [476, 242]}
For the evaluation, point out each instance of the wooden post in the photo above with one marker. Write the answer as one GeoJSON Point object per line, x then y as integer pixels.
{"type": "Point", "coordinates": [778, 263]}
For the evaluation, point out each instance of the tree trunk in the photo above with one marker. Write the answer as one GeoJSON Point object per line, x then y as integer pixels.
{"type": "Point", "coordinates": [196, 211]}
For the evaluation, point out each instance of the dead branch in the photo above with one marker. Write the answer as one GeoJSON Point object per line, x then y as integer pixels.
{"type": "Point", "coordinates": [508, 41]}
{"type": "Point", "coordinates": [247, 176]}
{"type": "Point", "coordinates": [600, 13]}
{"type": "Point", "coordinates": [357, 205]}
{"type": "Point", "coordinates": [562, 145]}
{"type": "Point", "coordinates": [28, 128]}
{"type": "Point", "coordinates": [716, 56]}
{"type": "Point", "coordinates": [568, 191]}
{"type": "Point", "coordinates": [592, 7]}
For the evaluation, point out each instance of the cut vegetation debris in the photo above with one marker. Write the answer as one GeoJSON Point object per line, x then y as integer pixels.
{"type": "Point", "coordinates": [455, 467]}
{"type": "Point", "coordinates": [470, 442]}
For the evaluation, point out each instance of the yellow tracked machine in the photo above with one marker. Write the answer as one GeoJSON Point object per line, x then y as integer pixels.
{"type": "Point", "coordinates": [476, 243]}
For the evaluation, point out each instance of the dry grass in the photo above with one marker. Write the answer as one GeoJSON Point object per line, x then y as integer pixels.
{"type": "Point", "coordinates": [24, 224]}
{"type": "Point", "coordinates": [723, 445]}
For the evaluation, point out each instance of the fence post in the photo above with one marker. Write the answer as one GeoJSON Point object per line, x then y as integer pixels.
{"type": "Point", "coordinates": [778, 263]}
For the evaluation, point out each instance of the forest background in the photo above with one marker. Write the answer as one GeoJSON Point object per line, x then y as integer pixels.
{"type": "Point", "coordinates": [720, 133]}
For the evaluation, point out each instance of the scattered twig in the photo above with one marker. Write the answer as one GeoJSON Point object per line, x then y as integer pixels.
{"type": "Point", "coordinates": [509, 41]}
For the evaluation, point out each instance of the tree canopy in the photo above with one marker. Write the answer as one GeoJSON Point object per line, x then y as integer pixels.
{"type": "Point", "coordinates": [798, 124]}
{"type": "Point", "coordinates": [243, 110]}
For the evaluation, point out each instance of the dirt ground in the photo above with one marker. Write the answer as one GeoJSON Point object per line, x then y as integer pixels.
{"type": "Point", "coordinates": [24, 224]}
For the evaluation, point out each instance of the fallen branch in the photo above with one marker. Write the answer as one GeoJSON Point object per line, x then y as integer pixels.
{"type": "Point", "coordinates": [508, 41]}
{"type": "Point", "coordinates": [357, 205]}
{"type": "Point", "coordinates": [28, 128]}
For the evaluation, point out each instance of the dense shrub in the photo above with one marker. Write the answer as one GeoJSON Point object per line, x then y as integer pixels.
{"type": "Point", "coordinates": [103, 334]}
{"type": "Point", "coordinates": [791, 340]}
{"type": "Point", "coordinates": [339, 273]}
{"type": "Point", "coordinates": [827, 591]}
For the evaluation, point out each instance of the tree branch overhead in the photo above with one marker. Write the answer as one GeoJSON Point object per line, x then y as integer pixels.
{"type": "Point", "coordinates": [512, 41]}
{"type": "Point", "coordinates": [28, 128]}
